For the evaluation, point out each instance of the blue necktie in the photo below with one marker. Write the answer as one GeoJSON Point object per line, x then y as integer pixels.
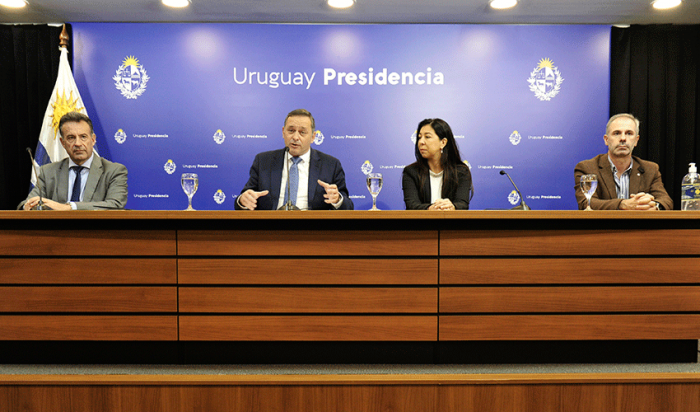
{"type": "Point", "coordinates": [75, 196]}
{"type": "Point", "coordinates": [293, 181]}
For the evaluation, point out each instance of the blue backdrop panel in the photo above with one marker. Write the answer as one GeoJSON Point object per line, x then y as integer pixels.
{"type": "Point", "coordinates": [168, 99]}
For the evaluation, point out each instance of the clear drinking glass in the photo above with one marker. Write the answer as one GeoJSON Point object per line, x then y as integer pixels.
{"type": "Point", "coordinates": [588, 185]}
{"type": "Point", "coordinates": [190, 183]}
{"type": "Point", "coordinates": [374, 185]}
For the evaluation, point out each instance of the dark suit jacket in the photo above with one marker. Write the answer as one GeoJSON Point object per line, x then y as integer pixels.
{"type": "Point", "coordinates": [644, 177]}
{"type": "Point", "coordinates": [106, 187]}
{"type": "Point", "coordinates": [266, 174]}
{"type": "Point", "coordinates": [417, 197]}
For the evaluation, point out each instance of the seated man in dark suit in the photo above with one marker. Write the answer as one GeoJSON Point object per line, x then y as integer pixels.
{"type": "Point", "coordinates": [625, 182]}
{"type": "Point", "coordinates": [316, 180]}
{"type": "Point", "coordinates": [83, 180]}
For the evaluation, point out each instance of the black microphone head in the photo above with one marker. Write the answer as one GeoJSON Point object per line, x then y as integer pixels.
{"type": "Point", "coordinates": [503, 172]}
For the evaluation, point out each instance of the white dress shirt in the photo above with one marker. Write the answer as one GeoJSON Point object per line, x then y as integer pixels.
{"type": "Point", "coordinates": [303, 188]}
{"type": "Point", "coordinates": [83, 178]}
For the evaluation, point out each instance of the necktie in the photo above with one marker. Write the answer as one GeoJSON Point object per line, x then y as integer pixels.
{"type": "Point", "coordinates": [75, 196]}
{"type": "Point", "coordinates": [293, 181]}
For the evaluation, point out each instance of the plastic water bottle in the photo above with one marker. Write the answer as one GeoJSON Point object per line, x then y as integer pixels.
{"type": "Point", "coordinates": [690, 189]}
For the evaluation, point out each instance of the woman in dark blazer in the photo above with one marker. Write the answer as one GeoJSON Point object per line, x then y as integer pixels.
{"type": "Point", "coordinates": [438, 180]}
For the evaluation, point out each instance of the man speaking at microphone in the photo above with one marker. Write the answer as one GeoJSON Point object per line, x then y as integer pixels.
{"type": "Point", "coordinates": [295, 177]}
{"type": "Point", "coordinates": [83, 181]}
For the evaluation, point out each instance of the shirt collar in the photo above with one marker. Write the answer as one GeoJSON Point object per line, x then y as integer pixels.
{"type": "Point", "coordinates": [87, 163]}
{"type": "Point", "coordinates": [614, 169]}
{"type": "Point", "coordinates": [305, 157]}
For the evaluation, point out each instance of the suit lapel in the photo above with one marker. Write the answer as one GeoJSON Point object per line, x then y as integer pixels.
{"type": "Point", "coordinates": [427, 195]}
{"type": "Point", "coordinates": [276, 177]}
{"type": "Point", "coordinates": [93, 178]}
{"type": "Point", "coordinates": [62, 183]}
{"type": "Point", "coordinates": [314, 175]}
{"type": "Point", "coordinates": [607, 180]}
{"type": "Point", "coordinates": [636, 177]}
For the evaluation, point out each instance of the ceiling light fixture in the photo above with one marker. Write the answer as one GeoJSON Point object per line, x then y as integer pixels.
{"type": "Point", "coordinates": [665, 4]}
{"type": "Point", "coordinates": [341, 4]}
{"type": "Point", "coordinates": [15, 4]}
{"type": "Point", "coordinates": [176, 3]}
{"type": "Point", "coordinates": [502, 4]}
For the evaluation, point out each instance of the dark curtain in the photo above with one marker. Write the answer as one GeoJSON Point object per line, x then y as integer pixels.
{"type": "Point", "coordinates": [654, 76]}
{"type": "Point", "coordinates": [29, 58]}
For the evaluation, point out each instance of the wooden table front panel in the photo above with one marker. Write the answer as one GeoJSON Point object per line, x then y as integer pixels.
{"type": "Point", "coordinates": [308, 300]}
{"type": "Point", "coordinates": [632, 242]}
{"type": "Point", "coordinates": [88, 284]}
{"type": "Point", "coordinates": [58, 299]}
{"type": "Point", "coordinates": [306, 271]}
{"type": "Point", "coordinates": [81, 242]}
{"type": "Point", "coordinates": [320, 285]}
{"type": "Point", "coordinates": [88, 271]}
{"type": "Point", "coordinates": [569, 284]}
{"type": "Point", "coordinates": [308, 328]}
{"type": "Point", "coordinates": [569, 270]}
{"type": "Point", "coordinates": [563, 299]}
{"type": "Point", "coordinates": [307, 243]}
{"type": "Point", "coordinates": [569, 327]}
{"type": "Point", "coordinates": [89, 327]}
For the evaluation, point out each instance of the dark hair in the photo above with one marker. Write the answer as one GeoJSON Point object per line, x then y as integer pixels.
{"type": "Point", "coordinates": [74, 117]}
{"type": "Point", "coordinates": [302, 112]}
{"type": "Point", "coordinates": [450, 159]}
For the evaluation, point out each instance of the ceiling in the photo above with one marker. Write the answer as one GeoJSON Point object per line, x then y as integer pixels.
{"type": "Point", "coordinates": [365, 11]}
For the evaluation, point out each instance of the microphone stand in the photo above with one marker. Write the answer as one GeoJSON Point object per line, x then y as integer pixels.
{"type": "Point", "coordinates": [288, 205]}
{"type": "Point", "coordinates": [522, 205]}
{"type": "Point", "coordinates": [40, 205]}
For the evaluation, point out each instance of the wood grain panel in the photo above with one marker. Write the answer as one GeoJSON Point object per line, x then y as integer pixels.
{"type": "Point", "coordinates": [149, 398]}
{"type": "Point", "coordinates": [480, 398]}
{"type": "Point", "coordinates": [90, 328]}
{"type": "Point", "coordinates": [88, 299]}
{"type": "Point", "coordinates": [569, 327]}
{"type": "Point", "coordinates": [308, 271]}
{"type": "Point", "coordinates": [101, 271]}
{"type": "Point", "coordinates": [652, 397]}
{"type": "Point", "coordinates": [476, 271]}
{"type": "Point", "coordinates": [308, 300]}
{"type": "Point", "coordinates": [298, 393]}
{"type": "Point", "coordinates": [309, 328]}
{"type": "Point", "coordinates": [569, 242]}
{"type": "Point", "coordinates": [570, 299]}
{"type": "Point", "coordinates": [307, 243]}
{"type": "Point", "coordinates": [404, 377]}
{"type": "Point", "coordinates": [92, 242]}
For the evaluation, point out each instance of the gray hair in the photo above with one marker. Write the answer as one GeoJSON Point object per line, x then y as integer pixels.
{"type": "Point", "coordinates": [619, 115]}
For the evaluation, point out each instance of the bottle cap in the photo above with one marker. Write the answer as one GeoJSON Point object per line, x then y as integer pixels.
{"type": "Point", "coordinates": [692, 168]}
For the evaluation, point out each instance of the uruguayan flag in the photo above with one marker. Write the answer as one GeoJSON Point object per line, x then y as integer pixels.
{"type": "Point", "coordinates": [64, 98]}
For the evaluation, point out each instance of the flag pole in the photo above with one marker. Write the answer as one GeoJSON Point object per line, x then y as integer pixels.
{"type": "Point", "coordinates": [63, 38]}
{"type": "Point", "coordinates": [64, 98]}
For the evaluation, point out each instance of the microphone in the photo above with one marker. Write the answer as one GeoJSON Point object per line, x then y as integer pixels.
{"type": "Point", "coordinates": [40, 205]}
{"type": "Point", "coordinates": [522, 205]}
{"type": "Point", "coordinates": [288, 205]}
